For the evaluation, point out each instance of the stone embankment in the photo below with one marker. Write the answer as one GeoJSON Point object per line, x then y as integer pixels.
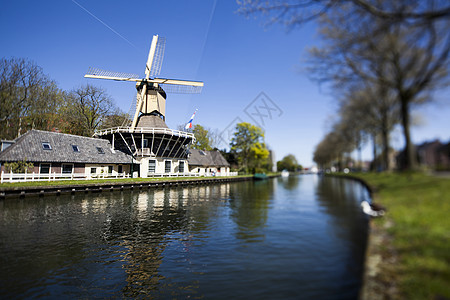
{"type": "Point", "coordinates": [51, 190]}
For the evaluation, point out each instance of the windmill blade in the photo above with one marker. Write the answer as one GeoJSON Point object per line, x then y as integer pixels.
{"type": "Point", "coordinates": [179, 86]}
{"type": "Point", "coordinates": [176, 81]}
{"type": "Point", "coordinates": [102, 74]}
{"type": "Point", "coordinates": [181, 89]}
{"type": "Point", "coordinates": [155, 68]}
{"type": "Point", "coordinates": [155, 47]}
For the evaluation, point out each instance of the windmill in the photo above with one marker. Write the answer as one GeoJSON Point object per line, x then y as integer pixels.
{"type": "Point", "coordinates": [157, 149]}
{"type": "Point", "coordinates": [151, 91]}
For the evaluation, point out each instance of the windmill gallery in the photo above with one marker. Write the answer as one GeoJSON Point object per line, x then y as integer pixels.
{"type": "Point", "coordinates": [143, 147]}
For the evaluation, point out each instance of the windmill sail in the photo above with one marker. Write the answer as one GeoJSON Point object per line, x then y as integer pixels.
{"type": "Point", "coordinates": [155, 68]}
{"type": "Point", "coordinates": [181, 89]}
{"type": "Point", "coordinates": [102, 74]}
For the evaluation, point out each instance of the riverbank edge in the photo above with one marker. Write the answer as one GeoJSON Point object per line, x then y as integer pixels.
{"type": "Point", "coordinates": [378, 279]}
{"type": "Point", "coordinates": [52, 190]}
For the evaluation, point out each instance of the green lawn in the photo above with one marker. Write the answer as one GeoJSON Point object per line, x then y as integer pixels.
{"type": "Point", "coordinates": [99, 181]}
{"type": "Point", "coordinates": [419, 208]}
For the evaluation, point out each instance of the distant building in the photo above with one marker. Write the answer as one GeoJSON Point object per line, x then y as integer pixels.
{"type": "Point", "coordinates": [273, 160]}
{"type": "Point", "coordinates": [208, 163]}
{"type": "Point", "coordinates": [433, 154]}
{"type": "Point", "coordinates": [52, 152]}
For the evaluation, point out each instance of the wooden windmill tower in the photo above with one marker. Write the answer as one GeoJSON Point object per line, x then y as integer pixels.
{"type": "Point", "coordinates": [154, 146]}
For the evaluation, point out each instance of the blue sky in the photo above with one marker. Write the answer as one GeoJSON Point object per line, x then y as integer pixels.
{"type": "Point", "coordinates": [252, 73]}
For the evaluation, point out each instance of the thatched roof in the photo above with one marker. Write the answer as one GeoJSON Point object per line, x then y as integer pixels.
{"type": "Point", "coordinates": [207, 158]}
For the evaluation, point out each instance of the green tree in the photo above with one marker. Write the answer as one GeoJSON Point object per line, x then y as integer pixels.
{"type": "Point", "coordinates": [289, 162]}
{"type": "Point", "coordinates": [248, 144]}
{"type": "Point", "coordinates": [202, 138]}
{"type": "Point", "coordinates": [19, 167]}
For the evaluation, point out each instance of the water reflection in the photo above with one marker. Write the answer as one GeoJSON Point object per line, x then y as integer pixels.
{"type": "Point", "coordinates": [249, 209]}
{"type": "Point", "coordinates": [290, 182]}
{"type": "Point", "coordinates": [296, 237]}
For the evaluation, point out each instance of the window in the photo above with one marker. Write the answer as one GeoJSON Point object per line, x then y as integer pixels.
{"type": "Point", "coordinates": [100, 150]}
{"type": "Point", "coordinates": [168, 166]}
{"type": "Point", "coordinates": [44, 169]}
{"type": "Point", "coordinates": [120, 170]}
{"type": "Point", "coordinates": [181, 167]}
{"type": "Point", "coordinates": [145, 143]}
{"type": "Point", "coordinates": [46, 146]}
{"type": "Point", "coordinates": [110, 169]}
{"type": "Point", "coordinates": [152, 166]}
{"type": "Point", "coordinates": [67, 169]}
{"type": "Point", "coordinates": [75, 148]}
{"type": "Point", "coordinates": [93, 170]}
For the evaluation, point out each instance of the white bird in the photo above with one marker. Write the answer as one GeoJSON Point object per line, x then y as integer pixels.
{"type": "Point", "coordinates": [372, 210]}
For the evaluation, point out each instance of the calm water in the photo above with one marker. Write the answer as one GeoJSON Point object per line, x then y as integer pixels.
{"type": "Point", "coordinates": [288, 238]}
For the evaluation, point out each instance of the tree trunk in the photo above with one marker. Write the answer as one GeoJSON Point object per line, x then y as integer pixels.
{"type": "Point", "coordinates": [385, 137]}
{"type": "Point", "coordinates": [410, 158]}
{"type": "Point", "coordinates": [374, 143]}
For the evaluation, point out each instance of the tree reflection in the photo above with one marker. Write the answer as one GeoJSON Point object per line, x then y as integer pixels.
{"type": "Point", "coordinates": [340, 199]}
{"type": "Point", "coordinates": [290, 182]}
{"type": "Point", "coordinates": [249, 203]}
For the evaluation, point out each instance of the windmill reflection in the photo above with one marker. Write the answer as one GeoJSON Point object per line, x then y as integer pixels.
{"type": "Point", "coordinates": [154, 219]}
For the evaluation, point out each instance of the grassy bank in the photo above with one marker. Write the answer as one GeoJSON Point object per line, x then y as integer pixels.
{"type": "Point", "coordinates": [415, 235]}
{"type": "Point", "coordinates": [99, 181]}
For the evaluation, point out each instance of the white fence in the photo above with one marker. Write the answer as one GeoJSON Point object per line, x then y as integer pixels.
{"type": "Point", "coordinates": [24, 177]}
{"type": "Point", "coordinates": [218, 174]}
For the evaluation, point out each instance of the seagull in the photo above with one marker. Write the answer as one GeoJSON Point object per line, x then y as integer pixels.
{"type": "Point", "coordinates": [372, 209]}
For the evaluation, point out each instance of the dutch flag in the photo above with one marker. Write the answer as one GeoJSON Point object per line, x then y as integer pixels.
{"type": "Point", "coordinates": [189, 124]}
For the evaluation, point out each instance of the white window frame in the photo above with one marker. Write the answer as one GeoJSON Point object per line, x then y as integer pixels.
{"type": "Point", "coordinates": [155, 163]}
{"type": "Point", "coordinates": [165, 166]}
{"type": "Point", "coordinates": [48, 145]}
{"type": "Point", "coordinates": [181, 163]}
{"type": "Point", "coordinates": [49, 168]}
{"type": "Point", "coordinates": [62, 168]}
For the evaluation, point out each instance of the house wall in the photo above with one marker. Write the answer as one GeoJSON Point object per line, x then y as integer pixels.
{"type": "Point", "coordinates": [104, 169]}
{"type": "Point", "coordinates": [78, 168]}
{"type": "Point", "coordinates": [160, 167]}
{"type": "Point", "coordinates": [54, 168]}
{"type": "Point", "coordinates": [209, 170]}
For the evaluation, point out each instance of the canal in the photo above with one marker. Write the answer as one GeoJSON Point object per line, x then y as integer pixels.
{"type": "Point", "coordinates": [300, 237]}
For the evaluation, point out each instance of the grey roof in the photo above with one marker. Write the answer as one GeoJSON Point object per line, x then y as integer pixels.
{"type": "Point", "coordinates": [151, 121]}
{"type": "Point", "coordinates": [29, 147]}
{"type": "Point", "coordinates": [206, 158]}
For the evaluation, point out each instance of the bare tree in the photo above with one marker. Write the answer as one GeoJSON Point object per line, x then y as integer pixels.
{"type": "Point", "coordinates": [402, 45]}
{"type": "Point", "coordinates": [86, 109]}
{"type": "Point", "coordinates": [406, 61]}
{"type": "Point", "coordinates": [28, 97]}
{"type": "Point", "coordinates": [373, 112]}
{"type": "Point", "coordinates": [297, 12]}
